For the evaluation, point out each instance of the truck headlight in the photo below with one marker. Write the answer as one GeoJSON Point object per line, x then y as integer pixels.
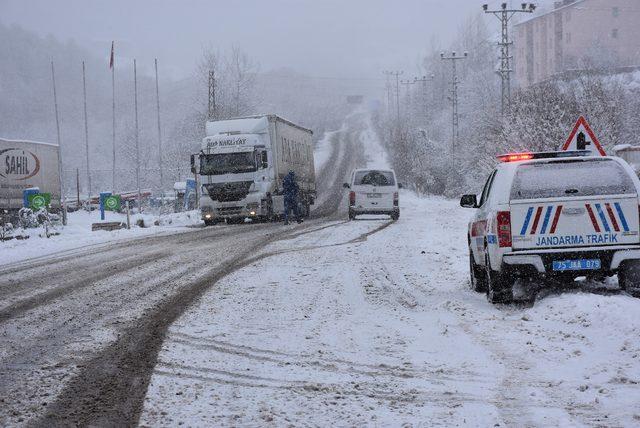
{"type": "Point", "coordinates": [207, 216]}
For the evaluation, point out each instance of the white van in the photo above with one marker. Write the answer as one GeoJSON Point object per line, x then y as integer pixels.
{"type": "Point", "coordinates": [373, 191]}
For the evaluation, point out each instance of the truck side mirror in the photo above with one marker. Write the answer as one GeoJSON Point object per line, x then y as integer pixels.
{"type": "Point", "coordinates": [469, 201]}
{"type": "Point", "coordinates": [193, 164]}
{"type": "Point", "coordinates": [346, 186]}
{"type": "Point", "coordinates": [400, 186]}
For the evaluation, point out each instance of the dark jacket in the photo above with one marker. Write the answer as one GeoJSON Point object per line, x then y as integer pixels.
{"type": "Point", "coordinates": [290, 187]}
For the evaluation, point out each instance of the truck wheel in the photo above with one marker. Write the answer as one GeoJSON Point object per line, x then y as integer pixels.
{"type": "Point", "coordinates": [395, 215]}
{"type": "Point", "coordinates": [210, 222]}
{"type": "Point", "coordinates": [629, 275]}
{"type": "Point", "coordinates": [352, 215]}
{"type": "Point", "coordinates": [478, 275]}
{"type": "Point", "coordinates": [499, 285]}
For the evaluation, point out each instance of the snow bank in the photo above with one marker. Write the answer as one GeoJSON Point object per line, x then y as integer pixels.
{"type": "Point", "coordinates": [78, 233]}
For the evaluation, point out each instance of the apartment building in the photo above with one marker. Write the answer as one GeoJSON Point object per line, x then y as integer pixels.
{"type": "Point", "coordinates": [577, 35]}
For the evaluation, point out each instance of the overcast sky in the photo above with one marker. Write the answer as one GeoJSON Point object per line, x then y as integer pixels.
{"type": "Point", "coordinates": [345, 38]}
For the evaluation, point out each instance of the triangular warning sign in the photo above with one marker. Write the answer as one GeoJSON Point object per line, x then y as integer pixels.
{"type": "Point", "coordinates": [583, 138]}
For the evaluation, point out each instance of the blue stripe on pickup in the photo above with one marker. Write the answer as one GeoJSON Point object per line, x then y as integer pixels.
{"type": "Point", "coordinates": [527, 219]}
{"type": "Point", "coordinates": [603, 218]}
{"type": "Point", "coordinates": [623, 220]}
{"type": "Point", "coordinates": [547, 216]}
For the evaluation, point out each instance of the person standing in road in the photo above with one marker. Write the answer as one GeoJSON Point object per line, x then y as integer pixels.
{"type": "Point", "coordinates": [290, 189]}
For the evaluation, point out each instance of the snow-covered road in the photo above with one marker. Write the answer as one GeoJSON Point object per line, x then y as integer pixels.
{"type": "Point", "coordinates": [371, 322]}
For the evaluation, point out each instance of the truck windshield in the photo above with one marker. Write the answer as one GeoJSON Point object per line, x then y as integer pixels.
{"type": "Point", "coordinates": [227, 163]}
{"type": "Point", "coordinates": [374, 178]}
{"type": "Point", "coordinates": [571, 178]}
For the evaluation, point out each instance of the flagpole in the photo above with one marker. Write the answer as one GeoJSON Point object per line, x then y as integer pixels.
{"type": "Point", "coordinates": [113, 113]}
{"type": "Point", "coordinates": [159, 130]}
{"type": "Point", "coordinates": [60, 171]}
{"type": "Point", "coordinates": [135, 102]}
{"type": "Point", "coordinates": [86, 132]}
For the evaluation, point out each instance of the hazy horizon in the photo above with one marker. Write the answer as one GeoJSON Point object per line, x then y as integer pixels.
{"type": "Point", "coordinates": [330, 38]}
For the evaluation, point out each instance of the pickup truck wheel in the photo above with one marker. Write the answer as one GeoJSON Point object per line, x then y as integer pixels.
{"type": "Point", "coordinates": [499, 285]}
{"type": "Point", "coordinates": [629, 275]}
{"type": "Point", "coordinates": [478, 275]}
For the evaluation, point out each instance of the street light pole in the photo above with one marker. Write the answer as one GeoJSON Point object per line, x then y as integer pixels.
{"type": "Point", "coordinates": [504, 15]}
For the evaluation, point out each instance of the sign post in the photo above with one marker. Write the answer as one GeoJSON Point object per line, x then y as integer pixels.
{"type": "Point", "coordinates": [103, 196]}
{"type": "Point", "coordinates": [582, 137]}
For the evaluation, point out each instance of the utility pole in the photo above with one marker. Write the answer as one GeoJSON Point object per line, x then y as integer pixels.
{"type": "Point", "coordinates": [135, 103]}
{"type": "Point", "coordinates": [504, 15]}
{"type": "Point", "coordinates": [211, 115]}
{"type": "Point", "coordinates": [159, 132]}
{"type": "Point", "coordinates": [397, 75]}
{"type": "Point", "coordinates": [86, 134]}
{"type": "Point", "coordinates": [454, 99]}
{"type": "Point", "coordinates": [425, 100]}
{"type": "Point", "coordinates": [407, 84]}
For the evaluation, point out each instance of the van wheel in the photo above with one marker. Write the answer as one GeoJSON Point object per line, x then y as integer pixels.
{"type": "Point", "coordinates": [478, 275]}
{"type": "Point", "coordinates": [499, 285]}
{"type": "Point", "coordinates": [629, 275]}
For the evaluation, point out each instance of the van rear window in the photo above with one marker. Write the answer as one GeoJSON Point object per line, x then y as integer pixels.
{"type": "Point", "coordinates": [374, 178]}
{"type": "Point", "coordinates": [571, 179]}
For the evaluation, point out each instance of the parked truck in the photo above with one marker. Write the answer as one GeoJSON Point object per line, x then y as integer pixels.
{"type": "Point", "coordinates": [242, 163]}
{"type": "Point", "coordinates": [24, 165]}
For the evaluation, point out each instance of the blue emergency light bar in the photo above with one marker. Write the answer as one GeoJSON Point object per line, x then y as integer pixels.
{"type": "Point", "coordinates": [516, 157]}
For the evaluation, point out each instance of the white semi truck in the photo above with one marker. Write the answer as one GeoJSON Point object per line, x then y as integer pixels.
{"type": "Point", "coordinates": [24, 165]}
{"type": "Point", "coordinates": [242, 163]}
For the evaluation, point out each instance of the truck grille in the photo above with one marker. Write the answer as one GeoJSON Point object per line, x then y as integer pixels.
{"type": "Point", "coordinates": [228, 192]}
{"type": "Point", "coordinates": [229, 210]}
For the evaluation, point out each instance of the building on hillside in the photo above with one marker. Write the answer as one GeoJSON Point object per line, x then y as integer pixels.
{"type": "Point", "coordinates": [577, 35]}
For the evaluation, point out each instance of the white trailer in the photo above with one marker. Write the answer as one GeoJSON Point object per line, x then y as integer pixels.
{"type": "Point", "coordinates": [242, 164]}
{"type": "Point", "coordinates": [24, 165]}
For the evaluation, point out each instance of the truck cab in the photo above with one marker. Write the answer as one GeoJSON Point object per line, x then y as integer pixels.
{"type": "Point", "coordinates": [554, 214]}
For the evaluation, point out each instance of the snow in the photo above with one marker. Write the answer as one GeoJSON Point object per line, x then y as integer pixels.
{"type": "Point", "coordinates": [349, 329]}
{"type": "Point", "coordinates": [323, 150]}
{"type": "Point", "coordinates": [250, 125]}
{"type": "Point", "coordinates": [77, 234]}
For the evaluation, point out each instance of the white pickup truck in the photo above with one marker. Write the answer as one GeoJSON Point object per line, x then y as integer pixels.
{"type": "Point", "coordinates": [555, 214]}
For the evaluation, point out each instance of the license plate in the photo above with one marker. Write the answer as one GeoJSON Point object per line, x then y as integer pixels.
{"type": "Point", "coordinates": [374, 195]}
{"type": "Point", "coordinates": [581, 264]}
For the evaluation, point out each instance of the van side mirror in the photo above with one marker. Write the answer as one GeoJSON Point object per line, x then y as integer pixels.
{"type": "Point", "coordinates": [193, 164]}
{"type": "Point", "coordinates": [469, 201]}
{"type": "Point", "coordinates": [346, 186]}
